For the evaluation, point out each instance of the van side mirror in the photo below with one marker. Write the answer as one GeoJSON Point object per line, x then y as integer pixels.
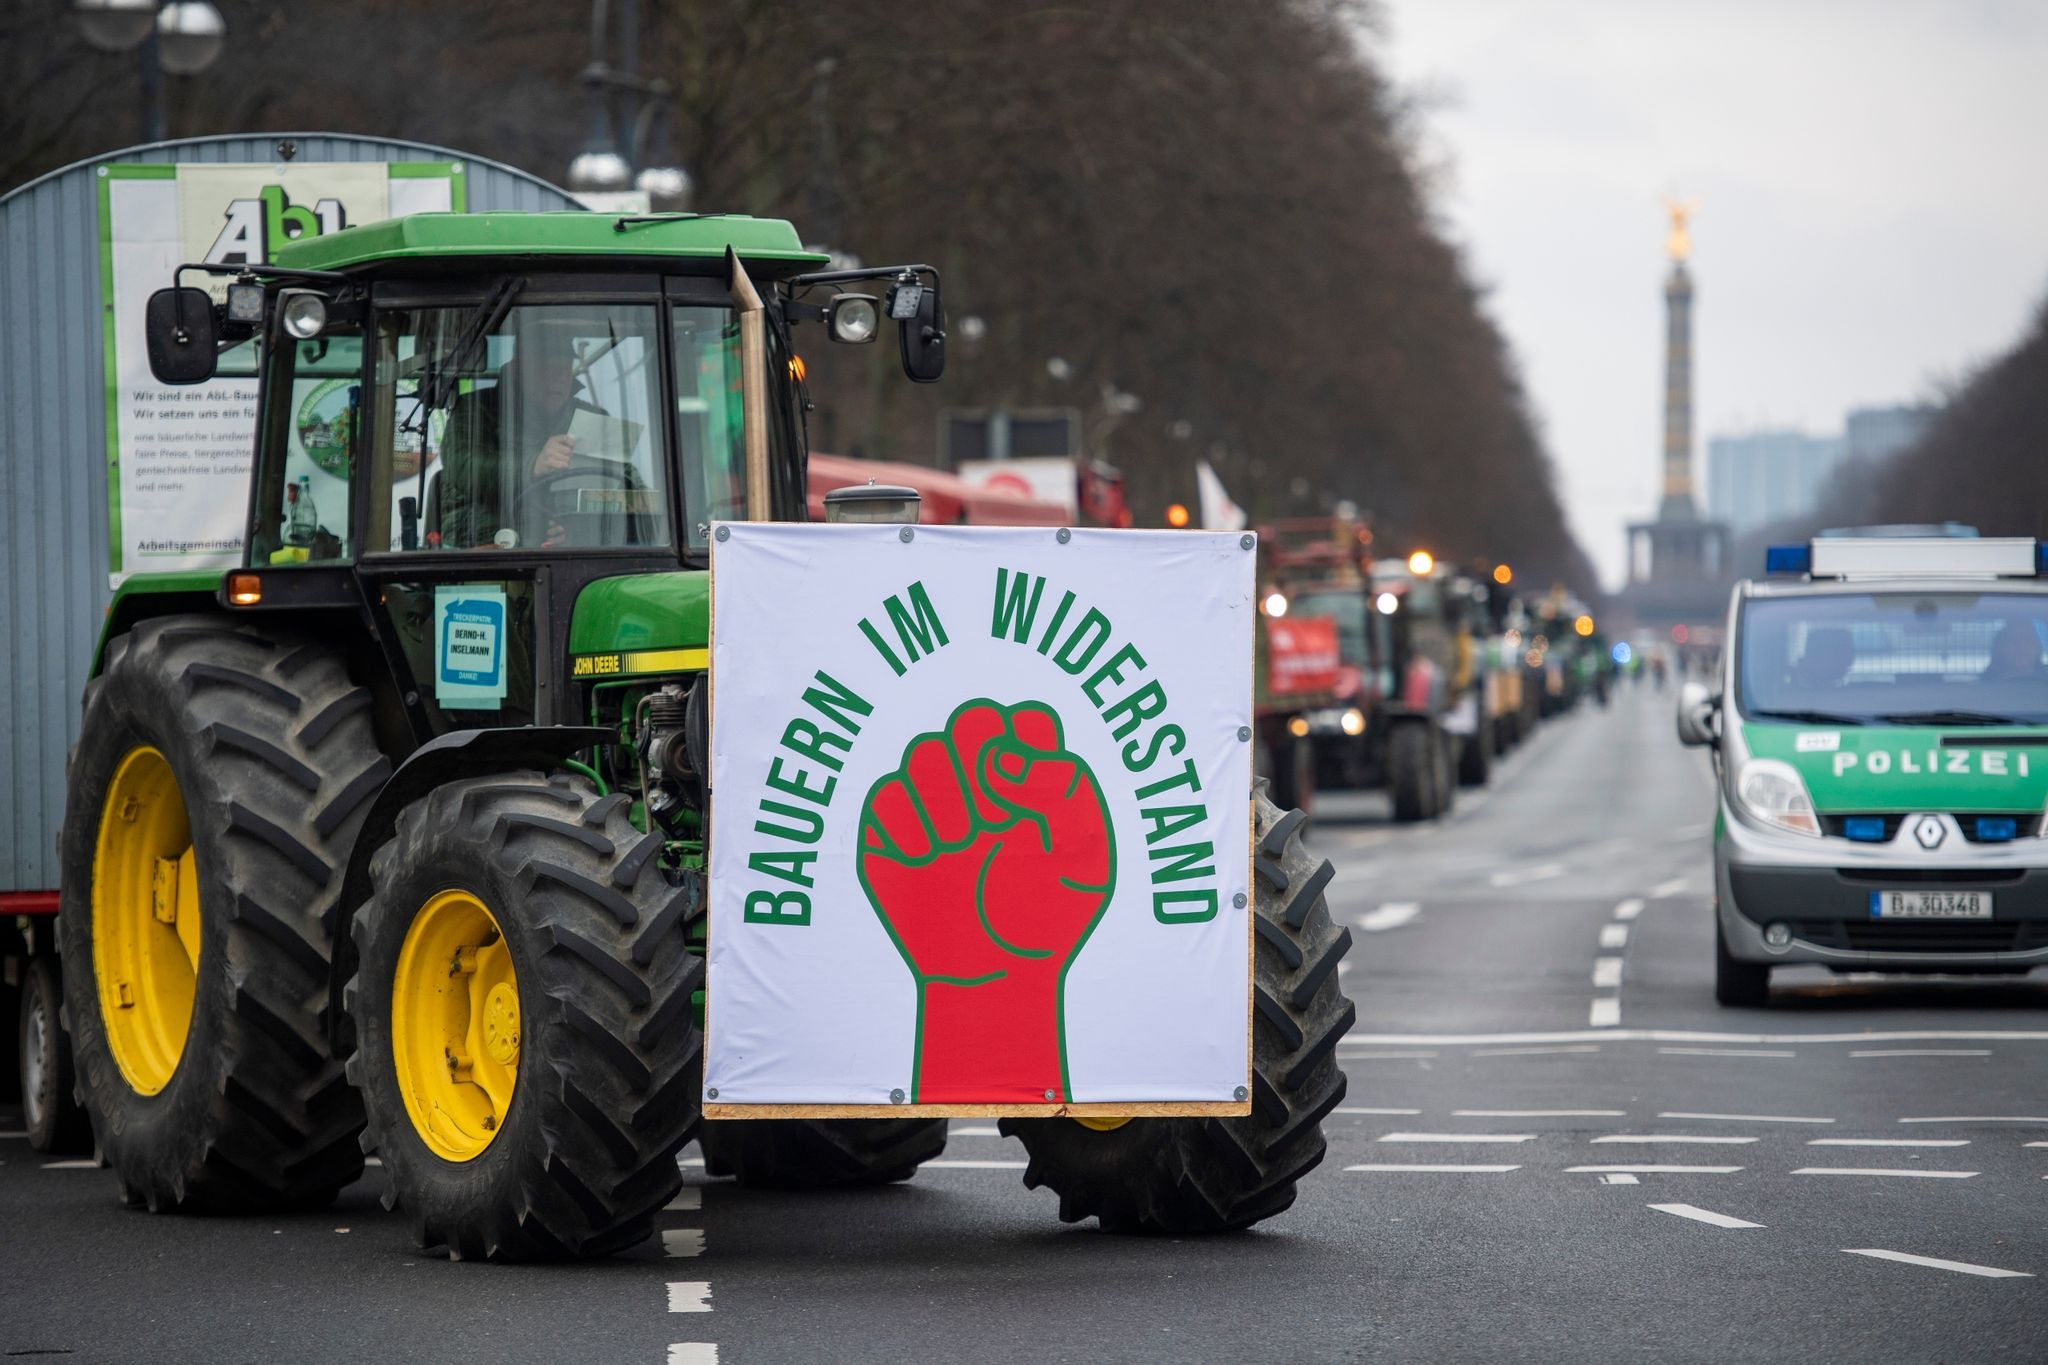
{"type": "Point", "coordinates": [182, 334]}
{"type": "Point", "coordinates": [1699, 714]}
{"type": "Point", "coordinates": [921, 328]}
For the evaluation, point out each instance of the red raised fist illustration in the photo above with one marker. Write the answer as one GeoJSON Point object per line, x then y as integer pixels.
{"type": "Point", "coordinates": [989, 857]}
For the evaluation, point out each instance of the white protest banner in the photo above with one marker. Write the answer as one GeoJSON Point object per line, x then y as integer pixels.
{"type": "Point", "coordinates": [980, 833]}
{"type": "Point", "coordinates": [177, 478]}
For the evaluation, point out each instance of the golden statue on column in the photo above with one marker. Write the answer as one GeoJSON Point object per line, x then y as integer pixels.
{"type": "Point", "coordinates": [1678, 246]}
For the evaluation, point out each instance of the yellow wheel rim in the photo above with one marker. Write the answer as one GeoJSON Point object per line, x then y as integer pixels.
{"type": "Point", "coordinates": [455, 1025]}
{"type": "Point", "coordinates": [145, 920]}
{"type": "Point", "coordinates": [1101, 1125]}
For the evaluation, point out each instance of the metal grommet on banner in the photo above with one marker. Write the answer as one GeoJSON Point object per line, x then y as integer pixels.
{"type": "Point", "coordinates": [725, 533]}
{"type": "Point", "coordinates": [1065, 535]}
{"type": "Point", "coordinates": [1244, 733]}
{"type": "Point", "coordinates": [1238, 900]}
{"type": "Point", "coordinates": [905, 534]}
{"type": "Point", "coordinates": [712, 1093]}
{"type": "Point", "coordinates": [1242, 1092]}
{"type": "Point", "coordinates": [1246, 541]}
{"type": "Point", "coordinates": [1051, 1095]}
{"type": "Point", "coordinates": [895, 1097]}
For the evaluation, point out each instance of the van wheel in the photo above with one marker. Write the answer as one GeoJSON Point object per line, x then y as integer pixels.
{"type": "Point", "coordinates": [1746, 984]}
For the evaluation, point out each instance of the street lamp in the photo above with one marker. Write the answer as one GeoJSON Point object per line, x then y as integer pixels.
{"type": "Point", "coordinates": [182, 39]}
{"type": "Point", "coordinates": [603, 167]}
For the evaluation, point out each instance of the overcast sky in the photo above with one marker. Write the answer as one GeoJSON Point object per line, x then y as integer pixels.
{"type": "Point", "coordinates": [1874, 218]}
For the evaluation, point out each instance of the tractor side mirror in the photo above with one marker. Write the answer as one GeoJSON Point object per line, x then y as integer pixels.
{"type": "Point", "coordinates": [921, 328]}
{"type": "Point", "coordinates": [1698, 711]}
{"type": "Point", "coordinates": [182, 335]}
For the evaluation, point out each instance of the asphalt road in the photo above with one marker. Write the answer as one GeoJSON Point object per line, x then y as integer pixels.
{"type": "Point", "coordinates": [1556, 1146]}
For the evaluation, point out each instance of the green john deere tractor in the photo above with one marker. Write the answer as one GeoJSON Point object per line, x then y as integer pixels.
{"type": "Point", "coordinates": [392, 840]}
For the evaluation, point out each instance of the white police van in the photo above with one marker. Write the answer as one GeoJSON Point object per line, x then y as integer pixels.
{"type": "Point", "coordinates": [1880, 734]}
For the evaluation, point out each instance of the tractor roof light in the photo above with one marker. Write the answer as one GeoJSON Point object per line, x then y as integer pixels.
{"type": "Point", "coordinates": [1421, 562]}
{"type": "Point", "coordinates": [1503, 575]}
{"type": "Point", "coordinates": [1177, 516]}
{"type": "Point", "coordinates": [872, 503]}
{"type": "Point", "coordinates": [1583, 625]}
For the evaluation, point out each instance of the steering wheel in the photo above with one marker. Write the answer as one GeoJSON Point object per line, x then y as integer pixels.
{"type": "Point", "coordinates": [530, 516]}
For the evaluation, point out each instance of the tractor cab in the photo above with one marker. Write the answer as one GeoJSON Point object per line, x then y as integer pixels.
{"type": "Point", "coordinates": [466, 421]}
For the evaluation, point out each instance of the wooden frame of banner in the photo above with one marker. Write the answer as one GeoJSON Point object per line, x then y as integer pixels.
{"type": "Point", "coordinates": [1141, 1109]}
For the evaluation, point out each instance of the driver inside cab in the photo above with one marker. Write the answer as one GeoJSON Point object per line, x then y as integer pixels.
{"type": "Point", "coordinates": [504, 439]}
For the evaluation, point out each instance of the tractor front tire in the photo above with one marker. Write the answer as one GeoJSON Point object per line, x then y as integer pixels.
{"type": "Point", "coordinates": [1475, 754]}
{"type": "Point", "coordinates": [527, 1049]}
{"type": "Point", "coordinates": [219, 780]}
{"type": "Point", "coordinates": [49, 1106]}
{"type": "Point", "coordinates": [1411, 772]}
{"type": "Point", "coordinates": [1196, 1175]}
{"type": "Point", "coordinates": [815, 1154]}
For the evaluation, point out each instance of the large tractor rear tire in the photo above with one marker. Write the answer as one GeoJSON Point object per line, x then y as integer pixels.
{"type": "Point", "coordinates": [810, 1154]}
{"type": "Point", "coordinates": [217, 785]}
{"type": "Point", "coordinates": [1192, 1175]}
{"type": "Point", "coordinates": [1475, 754]}
{"type": "Point", "coordinates": [528, 1048]}
{"type": "Point", "coordinates": [1412, 772]}
{"type": "Point", "coordinates": [49, 1104]}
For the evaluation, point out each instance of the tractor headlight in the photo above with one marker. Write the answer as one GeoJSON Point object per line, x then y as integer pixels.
{"type": "Point", "coordinates": [1774, 793]}
{"type": "Point", "coordinates": [1275, 604]}
{"type": "Point", "coordinates": [854, 319]}
{"type": "Point", "coordinates": [304, 314]}
{"type": "Point", "coordinates": [1352, 722]}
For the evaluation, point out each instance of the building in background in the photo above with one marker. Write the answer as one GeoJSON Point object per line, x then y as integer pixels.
{"type": "Point", "coordinates": [1761, 477]}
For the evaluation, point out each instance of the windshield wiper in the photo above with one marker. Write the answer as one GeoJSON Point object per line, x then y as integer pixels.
{"type": "Point", "coordinates": [1947, 718]}
{"type": "Point", "coordinates": [439, 387]}
{"type": "Point", "coordinates": [1809, 717]}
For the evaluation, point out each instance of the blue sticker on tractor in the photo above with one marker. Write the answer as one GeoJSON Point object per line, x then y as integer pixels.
{"type": "Point", "coordinates": [469, 646]}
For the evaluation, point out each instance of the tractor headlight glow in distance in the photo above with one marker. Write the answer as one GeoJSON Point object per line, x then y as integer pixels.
{"type": "Point", "coordinates": [1774, 793]}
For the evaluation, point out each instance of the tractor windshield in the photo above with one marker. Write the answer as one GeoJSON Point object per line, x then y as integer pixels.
{"type": "Point", "coordinates": [543, 432]}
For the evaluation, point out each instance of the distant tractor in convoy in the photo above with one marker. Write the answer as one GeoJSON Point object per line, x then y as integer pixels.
{"type": "Point", "coordinates": [393, 839]}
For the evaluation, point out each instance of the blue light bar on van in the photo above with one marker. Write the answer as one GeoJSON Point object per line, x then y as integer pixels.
{"type": "Point", "coordinates": [2041, 556]}
{"type": "Point", "coordinates": [1997, 829]}
{"type": "Point", "coordinates": [1788, 559]}
{"type": "Point", "coordinates": [1867, 829]}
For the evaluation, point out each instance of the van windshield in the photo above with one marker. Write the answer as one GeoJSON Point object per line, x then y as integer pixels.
{"type": "Point", "coordinates": [1909, 658]}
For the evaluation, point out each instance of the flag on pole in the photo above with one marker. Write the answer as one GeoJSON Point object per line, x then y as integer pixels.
{"type": "Point", "coordinates": [1219, 513]}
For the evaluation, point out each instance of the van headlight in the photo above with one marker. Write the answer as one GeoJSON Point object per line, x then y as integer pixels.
{"type": "Point", "coordinates": [1774, 793]}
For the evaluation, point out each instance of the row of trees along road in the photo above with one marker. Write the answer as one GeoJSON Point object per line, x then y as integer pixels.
{"type": "Point", "coordinates": [1207, 204]}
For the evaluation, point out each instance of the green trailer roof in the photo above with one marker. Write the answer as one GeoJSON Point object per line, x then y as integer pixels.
{"type": "Point", "coordinates": [440, 236]}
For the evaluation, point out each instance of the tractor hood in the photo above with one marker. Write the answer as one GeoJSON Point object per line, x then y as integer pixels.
{"type": "Point", "coordinates": [1892, 768]}
{"type": "Point", "coordinates": [642, 623]}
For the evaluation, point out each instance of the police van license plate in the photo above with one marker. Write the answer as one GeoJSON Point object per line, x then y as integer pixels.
{"type": "Point", "coordinates": [1930, 905]}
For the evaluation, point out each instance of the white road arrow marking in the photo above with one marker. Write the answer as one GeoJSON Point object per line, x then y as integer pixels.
{"type": "Point", "coordinates": [1390, 915]}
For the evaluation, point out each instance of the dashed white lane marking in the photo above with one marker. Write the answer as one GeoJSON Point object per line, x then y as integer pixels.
{"type": "Point", "coordinates": [1884, 1170]}
{"type": "Point", "coordinates": [1629, 908]}
{"type": "Point", "coordinates": [956, 1130]}
{"type": "Point", "coordinates": [1437, 1169]}
{"type": "Point", "coordinates": [1606, 972]}
{"type": "Point", "coordinates": [689, 1296]}
{"type": "Point", "coordinates": [692, 1353]}
{"type": "Point", "coordinates": [1925, 1052]}
{"type": "Point", "coordinates": [1518, 876]}
{"type": "Point", "coordinates": [1537, 1113]}
{"type": "Point", "coordinates": [1605, 1013]}
{"type": "Point", "coordinates": [1887, 1142]}
{"type": "Point", "coordinates": [1989, 1272]}
{"type": "Point", "coordinates": [1664, 1035]}
{"type": "Point", "coordinates": [1670, 888]}
{"type": "Point", "coordinates": [1457, 1137]}
{"type": "Point", "coordinates": [1726, 1052]}
{"type": "Point", "coordinates": [1700, 1215]}
{"type": "Point", "coordinates": [1395, 1113]}
{"type": "Point", "coordinates": [1696, 1138]}
{"type": "Point", "coordinates": [1614, 936]}
{"type": "Point", "coordinates": [1975, 1118]}
{"type": "Point", "coordinates": [687, 1198]}
{"type": "Point", "coordinates": [1635, 1169]}
{"type": "Point", "coordinates": [79, 1164]}
{"type": "Point", "coordinates": [1390, 915]}
{"type": "Point", "coordinates": [1613, 1178]}
{"type": "Point", "coordinates": [1741, 1118]}
{"type": "Point", "coordinates": [945, 1164]}
{"type": "Point", "coordinates": [1536, 1051]}
{"type": "Point", "coordinates": [679, 1242]}
{"type": "Point", "coordinates": [2034, 1144]}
